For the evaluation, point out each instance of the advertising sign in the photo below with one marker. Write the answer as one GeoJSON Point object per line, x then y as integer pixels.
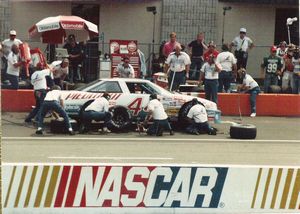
{"type": "Point", "coordinates": [121, 48]}
{"type": "Point", "coordinates": [150, 189]}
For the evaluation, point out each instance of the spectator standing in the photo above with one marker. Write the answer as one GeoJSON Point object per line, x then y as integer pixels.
{"type": "Point", "coordinates": [160, 118]}
{"type": "Point", "coordinates": [211, 51]}
{"type": "Point", "coordinates": [13, 67]}
{"type": "Point", "coordinates": [288, 70]}
{"type": "Point", "coordinates": [53, 102]}
{"type": "Point", "coordinates": [124, 69]}
{"type": "Point", "coordinates": [75, 56]}
{"type": "Point", "coordinates": [271, 69]}
{"type": "Point", "coordinates": [169, 47]}
{"type": "Point", "coordinates": [177, 67]}
{"type": "Point", "coordinates": [249, 86]}
{"type": "Point", "coordinates": [6, 49]}
{"type": "Point", "coordinates": [40, 87]}
{"type": "Point", "coordinates": [227, 61]}
{"type": "Point", "coordinates": [242, 44]}
{"type": "Point", "coordinates": [98, 110]}
{"type": "Point", "coordinates": [198, 119]}
{"type": "Point", "coordinates": [296, 78]}
{"type": "Point", "coordinates": [210, 70]}
{"type": "Point", "coordinates": [281, 50]}
{"type": "Point", "coordinates": [196, 49]}
{"type": "Point", "coordinates": [60, 70]}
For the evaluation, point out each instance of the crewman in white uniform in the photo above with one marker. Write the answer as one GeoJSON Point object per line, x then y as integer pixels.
{"type": "Point", "coordinates": [157, 112]}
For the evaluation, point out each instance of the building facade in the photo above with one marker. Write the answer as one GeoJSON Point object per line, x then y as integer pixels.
{"type": "Point", "coordinates": [129, 19]}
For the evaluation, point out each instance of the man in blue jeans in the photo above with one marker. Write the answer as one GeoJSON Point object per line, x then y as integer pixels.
{"type": "Point", "coordinates": [98, 110]}
{"type": "Point", "coordinates": [249, 86]}
{"type": "Point", "coordinates": [53, 102]}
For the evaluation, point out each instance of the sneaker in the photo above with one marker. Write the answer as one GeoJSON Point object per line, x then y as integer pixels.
{"type": "Point", "coordinates": [106, 130]}
{"type": "Point", "coordinates": [212, 132]}
{"type": "Point", "coordinates": [39, 132]}
{"type": "Point", "coordinates": [27, 120]}
{"type": "Point", "coordinates": [253, 115]}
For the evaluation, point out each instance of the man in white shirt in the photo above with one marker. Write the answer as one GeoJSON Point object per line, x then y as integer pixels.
{"type": "Point", "coordinates": [98, 110]}
{"type": "Point", "coordinates": [249, 86]}
{"type": "Point", "coordinates": [124, 69]}
{"type": "Point", "coordinates": [14, 64]}
{"type": "Point", "coordinates": [6, 49]}
{"type": "Point", "coordinates": [198, 119]}
{"type": "Point", "coordinates": [210, 71]}
{"type": "Point", "coordinates": [227, 61]}
{"type": "Point", "coordinates": [39, 82]}
{"type": "Point", "coordinates": [53, 102]}
{"type": "Point", "coordinates": [60, 70]}
{"type": "Point", "coordinates": [157, 112]}
{"type": "Point", "coordinates": [177, 67]}
{"type": "Point", "coordinates": [243, 44]}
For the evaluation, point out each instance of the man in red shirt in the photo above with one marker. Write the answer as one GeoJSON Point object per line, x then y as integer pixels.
{"type": "Point", "coordinates": [170, 46]}
{"type": "Point", "coordinates": [211, 51]}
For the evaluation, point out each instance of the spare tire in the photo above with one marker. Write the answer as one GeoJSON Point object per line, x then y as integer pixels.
{"type": "Point", "coordinates": [243, 131]}
{"type": "Point", "coordinates": [121, 119]}
{"type": "Point", "coordinates": [182, 114]}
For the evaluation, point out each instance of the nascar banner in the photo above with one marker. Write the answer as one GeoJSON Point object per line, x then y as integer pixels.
{"type": "Point", "coordinates": [149, 189]}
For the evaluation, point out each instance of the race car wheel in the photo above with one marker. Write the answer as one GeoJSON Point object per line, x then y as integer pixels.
{"type": "Point", "coordinates": [182, 114]}
{"type": "Point", "coordinates": [121, 119]}
{"type": "Point", "coordinates": [243, 131]}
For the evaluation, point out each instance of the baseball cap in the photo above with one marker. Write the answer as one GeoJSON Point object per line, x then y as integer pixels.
{"type": "Point", "coordinates": [273, 48]}
{"type": "Point", "coordinates": [13, 33]}
{"type": "Point", "coordinates": [243, 30]}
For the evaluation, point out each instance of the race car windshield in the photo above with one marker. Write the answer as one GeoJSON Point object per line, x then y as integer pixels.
{"type": "Point", "coordinates": [87, 85]}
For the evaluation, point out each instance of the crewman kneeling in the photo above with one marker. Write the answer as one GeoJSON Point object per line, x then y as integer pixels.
{"type": "Point", "coordinates": [160, 119]}
{"type": "Point", "coordinates": [98, 110]}
{"type": "Point", "coordinates": [197, 115]}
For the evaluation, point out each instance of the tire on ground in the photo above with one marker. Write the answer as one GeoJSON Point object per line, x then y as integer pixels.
{"type": "Point", "coordinates": [59, 127]}
{"type": "Point", "coordinates": [243, 131]}
{"type": "Point", "coordinates": [121, 119]}
{"type": "Point", "coordinates": [182, 114]}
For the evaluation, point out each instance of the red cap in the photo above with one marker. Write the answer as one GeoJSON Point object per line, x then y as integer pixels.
{"type": "Point", "coordinates": [273, 48]}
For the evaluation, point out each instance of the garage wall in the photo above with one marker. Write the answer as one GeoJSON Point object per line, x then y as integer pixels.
{"type": "Point", "coordinates": [130, 21]}
{"type": "Point", "coordinates": [26, 14]}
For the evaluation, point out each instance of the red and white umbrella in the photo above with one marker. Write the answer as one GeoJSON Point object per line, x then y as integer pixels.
{"type": "Point", "coordinates": [54, 30]}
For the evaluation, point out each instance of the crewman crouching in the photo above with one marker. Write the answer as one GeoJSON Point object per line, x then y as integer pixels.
{"type": "Point", "coordinates": [98, 110]}
{"type": "Point", "coordinates": [199, 120]}
{"type": "Point", "coordinates": [160, 119]}
{"type": "Point", "coordinates": [53, 102]}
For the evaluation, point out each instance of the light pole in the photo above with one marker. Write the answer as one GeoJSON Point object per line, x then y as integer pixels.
{"type": "Point", "coordinates": [224, 13]}
{"type": "Point", "coordinates": [153, 10]}
{"type": "Point", "coordinates": [289, 22]}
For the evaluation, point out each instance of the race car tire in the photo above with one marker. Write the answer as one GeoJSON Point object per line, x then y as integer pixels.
{"type": "Point", "coordinates": [182, 114]}
{"type": "Point", "coordinates": [59, 127]}
{"type": "Point", "coordinates": [243, 131]}
{"type": "Point", "coordinates": [121, 119]}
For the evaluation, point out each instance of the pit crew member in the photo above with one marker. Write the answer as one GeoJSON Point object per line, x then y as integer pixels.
{"type": "Point", "coordinates": [98, 110]}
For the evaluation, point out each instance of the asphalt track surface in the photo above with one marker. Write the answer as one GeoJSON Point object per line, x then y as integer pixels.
{"type": "Point", "coordinates": [277, 144]}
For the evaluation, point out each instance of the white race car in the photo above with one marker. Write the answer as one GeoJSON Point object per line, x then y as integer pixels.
{"type": "Point", "coordinates": [128, 99]}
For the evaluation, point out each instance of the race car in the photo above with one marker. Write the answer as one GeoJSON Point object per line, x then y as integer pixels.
{"type": "Point", "coordinates": [129, 97]}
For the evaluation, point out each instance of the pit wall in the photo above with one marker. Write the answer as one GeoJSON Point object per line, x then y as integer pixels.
{"type": "Point", "coordinates": [267, 104]}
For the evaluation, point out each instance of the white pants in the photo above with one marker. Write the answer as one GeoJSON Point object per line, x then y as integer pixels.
{"type": "Point", "coordinates": [287, 80]}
